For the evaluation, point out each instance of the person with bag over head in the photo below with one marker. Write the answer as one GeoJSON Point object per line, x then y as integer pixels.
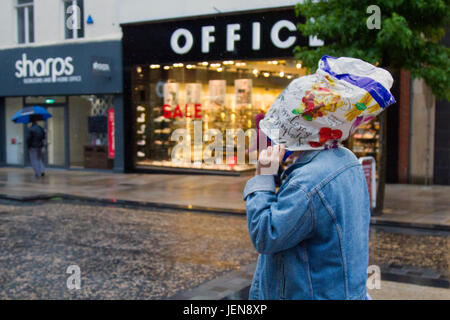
{"type": "Point", "coordinates": [312, 234]}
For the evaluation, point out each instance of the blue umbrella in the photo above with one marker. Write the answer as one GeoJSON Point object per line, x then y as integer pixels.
{"type": "Point", "coordinates": [26, 114]}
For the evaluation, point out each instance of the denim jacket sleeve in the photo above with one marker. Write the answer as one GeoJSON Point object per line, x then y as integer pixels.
{"type": "Point", "coordinates": [280, 221]}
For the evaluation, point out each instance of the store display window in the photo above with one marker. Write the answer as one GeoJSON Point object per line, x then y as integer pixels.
{"type": "Point", "coordinates": [208, 96]}
{"type": "Point", "coordinates": [366, 141]}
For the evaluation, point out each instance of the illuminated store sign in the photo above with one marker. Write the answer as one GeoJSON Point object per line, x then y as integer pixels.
{"type": "Point", "coordinates": [233, 36]}
{"type": "Point", "coordinates": [257, 35]}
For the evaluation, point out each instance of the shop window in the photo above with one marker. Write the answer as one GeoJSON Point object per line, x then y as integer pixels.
{"type": "Point", "coordinates": [15, 144]}
{"type": "Point", "coordinates": [25, 21]}
{"type": "Point", "coordinates": [205, 104]}
{"type": "Point", "coordinates": [47, 100]}
{"type": "Point", "coordinates": [365, 142]}
{"type": "Point", "coordinates": [89, 131]}
{"type": "Point", "coordinates": [73, 19]}
{"type": "Point", "coordinates": [56, 138]}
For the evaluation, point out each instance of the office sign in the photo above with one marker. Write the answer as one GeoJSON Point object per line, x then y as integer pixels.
{"type": "Point", "coordinates": [63, 69]}
{"type": "Point", "coordinates": [254, 35]}
{"type": "Point", "coordinates": [233, 37]}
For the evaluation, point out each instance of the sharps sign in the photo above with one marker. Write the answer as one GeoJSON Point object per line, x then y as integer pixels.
{"type": "Point", "coordinates": [45, 70]}
{"type": "Point", "coordinates": [62, 69]}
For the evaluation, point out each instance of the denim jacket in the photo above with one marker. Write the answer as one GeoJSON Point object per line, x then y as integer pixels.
{"type": "Point", "coordinates": [313, 234]}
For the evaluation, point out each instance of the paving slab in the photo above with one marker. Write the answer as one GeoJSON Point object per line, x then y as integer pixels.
{"type": "Point", "coordinates": [390, 290]}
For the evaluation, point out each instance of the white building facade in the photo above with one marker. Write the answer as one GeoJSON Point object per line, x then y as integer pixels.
{"type": "Point", "coordinates": [47, 21]}
{"type": "Point", "coordinates": [64, 55]}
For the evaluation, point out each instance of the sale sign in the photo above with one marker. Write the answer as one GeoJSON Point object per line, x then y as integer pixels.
{"type": "Point", "coordinates": [178, 111]}
{"type": "Point", "coordinates": [111, 141]}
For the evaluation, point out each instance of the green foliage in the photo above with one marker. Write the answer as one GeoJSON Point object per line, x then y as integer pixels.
{"type": "Point", "coordinates": [408, 38]}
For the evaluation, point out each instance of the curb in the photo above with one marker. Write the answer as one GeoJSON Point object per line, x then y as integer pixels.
{"type": "Point", "coordinates": [232, 285]}
{"type": "Point", "coordinates": [418, 276]}
{"type": "Point", "coordinates": [121, 202]}
{"type": "Point", "coordinates": [235, 285]}
{"type": "Point", "coordinates": [376, 221]}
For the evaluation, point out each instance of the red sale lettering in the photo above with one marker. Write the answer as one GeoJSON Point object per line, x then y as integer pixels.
{"type": "Point", "coordinates": [186, 112]}
{"type": "Point", "coordinates": [166, 111]}
{"type": "Point", "coordinates": [178, 113]}
{"type": "Point", "coordinates": [198, 111]}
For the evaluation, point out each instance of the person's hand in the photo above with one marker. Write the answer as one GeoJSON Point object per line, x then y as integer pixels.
{"type": "Point", "coordinates": [270, 159]}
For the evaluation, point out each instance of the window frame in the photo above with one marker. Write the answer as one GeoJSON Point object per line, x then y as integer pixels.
{"type": "Point", "coordinates": [73, 32]}
{"type": "Point", "coordinates": [26, 21]}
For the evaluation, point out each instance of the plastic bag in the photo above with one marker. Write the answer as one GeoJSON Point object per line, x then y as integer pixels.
{"type": "Point", "coordinates": [319, 111]}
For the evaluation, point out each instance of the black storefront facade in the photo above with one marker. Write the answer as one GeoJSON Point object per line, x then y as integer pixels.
{"type": "Point", "coordinates": [223, 70]}
{"type": "Point", "coordinates": [80, 84]}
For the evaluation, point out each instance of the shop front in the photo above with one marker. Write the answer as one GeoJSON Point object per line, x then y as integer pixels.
{"type": "Point", "coordinates": [81, 86]}
{"type": "Point", "coordinates": [219, 73]}
{"type": "Point", "coordinates": [214, 73]}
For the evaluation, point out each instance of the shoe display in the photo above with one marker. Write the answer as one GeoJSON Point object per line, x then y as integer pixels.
{"type": "Point", "coordinates": [161, 119]}
{"type": "Point", "coordinates": [141, 118]}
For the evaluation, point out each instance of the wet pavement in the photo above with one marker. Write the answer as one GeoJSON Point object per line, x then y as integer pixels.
{"type": "Point", "coordinates": [415, 205]}
{"type": "Point", "coordinates": [122, 253]}
{"type": "Point", "coordinates": [390, 290]}
{"type": "Point", "coordinates": [171, 189]}
{"type": "Point", "coordinates": [131, 253]}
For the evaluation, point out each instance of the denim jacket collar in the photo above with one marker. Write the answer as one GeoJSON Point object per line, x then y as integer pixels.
{"type": "Point", "coordinates": [304, 158]}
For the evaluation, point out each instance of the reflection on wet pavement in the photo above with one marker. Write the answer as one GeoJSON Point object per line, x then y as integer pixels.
{"type": "Point", "coordinates": [159, 188]}
{"type": "Point", "coordinates": [410, 204]}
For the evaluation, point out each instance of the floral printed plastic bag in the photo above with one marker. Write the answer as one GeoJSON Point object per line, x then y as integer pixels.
{"type": "Point", "coordinates": [320, 110]}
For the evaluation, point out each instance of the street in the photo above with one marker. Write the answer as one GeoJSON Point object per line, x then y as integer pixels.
{"type": "Point", "coordinates": [122, 253]}
{"type": "Point", "coordinates": [151, 150]}
{"type": "Point", "coordinates": [138, 253]}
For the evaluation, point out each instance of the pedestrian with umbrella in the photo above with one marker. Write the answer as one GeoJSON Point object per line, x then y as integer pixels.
{"type": "Point", "coordinates": [35, 136]}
